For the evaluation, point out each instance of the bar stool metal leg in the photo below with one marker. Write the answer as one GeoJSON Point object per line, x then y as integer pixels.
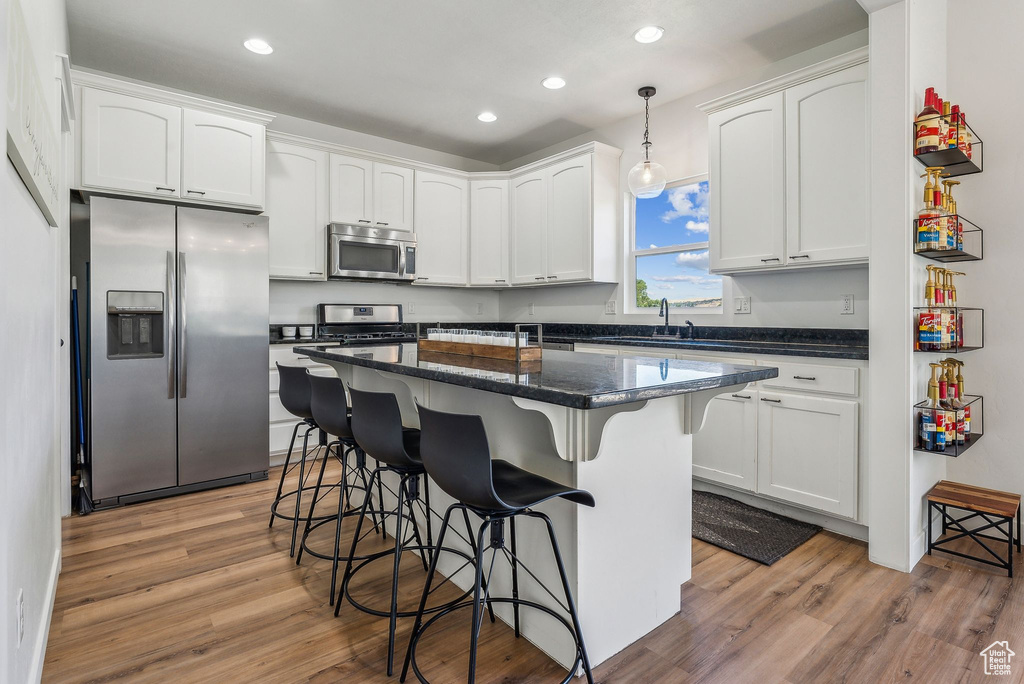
{"type": "Point", "coordinates": [298, 492]}
{"type": "Point", "coordinates": [284, 471]}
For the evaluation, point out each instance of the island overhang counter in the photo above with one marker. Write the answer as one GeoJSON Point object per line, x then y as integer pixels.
{"type": "Point", "coordinates": [619, 426]}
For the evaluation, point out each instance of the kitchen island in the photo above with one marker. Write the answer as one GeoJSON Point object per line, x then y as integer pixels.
{"type": "Point", "coordinates": [618, 426]}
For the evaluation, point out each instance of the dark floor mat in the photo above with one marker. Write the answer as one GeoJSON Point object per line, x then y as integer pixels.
{"type": "Point", "coordinates": [753, 533]}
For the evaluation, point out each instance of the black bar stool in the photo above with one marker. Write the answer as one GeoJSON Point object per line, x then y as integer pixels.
{"type": "Point", "coordinates": [377, 428]}
{"type": "Point", "coordinates": [456, 455]}
{"type": "Point", "coordinates": [330, 410]}
{"type": "Point", "coordinates": [294, 393]}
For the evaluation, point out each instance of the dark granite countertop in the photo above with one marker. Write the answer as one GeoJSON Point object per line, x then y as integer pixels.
{"type": "Point", "coordinates": [582, 381]}
{"type": "Point", "coordinates": [826, 351]}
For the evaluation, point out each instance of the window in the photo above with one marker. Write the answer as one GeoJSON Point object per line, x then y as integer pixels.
{"type": "Point", "coordinates": [669, 249]}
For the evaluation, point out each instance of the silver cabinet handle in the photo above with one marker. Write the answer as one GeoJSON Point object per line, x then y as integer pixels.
{"type": "Point", "coordinates": [804, 377]}
{"type": "Point", "coordinates": [765, 261]}
{"type": "Point", "coordinates": [552, 277]}
{"type": "Point", "coordinates": [382, 223]}
{"type": "Point", "coordinates": [364, 221]}
{"type": "Point", "coordinates": [774, 401]}
{"type": "Point", "coordinates": [422, 278]}
{"type": "Point", "coordinates": [538, 278]}
{"type": "Point", "coordinates": [741, 396]}
{"type": "Point", "coordinates": [167, 189]}
{"type": "Point", "coordinates": [196, 192]}
{"type": "Point", "coordinates": [800, 256]}
{"type": "Point", "coordinates": [183, 381]}
{"type": "Point", "coordinates": [316, 273]}
{"type": "Point", "coordinates": [499, 280]}
{"type": "Point", "coordinates": [171, 333]}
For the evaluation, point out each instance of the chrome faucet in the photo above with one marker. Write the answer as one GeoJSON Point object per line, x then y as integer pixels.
{"type": "Point", "coordinates": [689, 330]}
{"type": "Point", "coordinates": [663, 312]}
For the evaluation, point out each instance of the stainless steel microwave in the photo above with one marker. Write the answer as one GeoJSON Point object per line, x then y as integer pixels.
{"type": "Point", "coordinates": [365, 253]}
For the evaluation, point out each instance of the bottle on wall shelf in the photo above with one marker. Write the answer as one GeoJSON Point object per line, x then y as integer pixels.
{"type": "Point", "coordinates": [961, 395]}
{"type": "Point", "coordinates": [926, 125]}
{"type": "Point", "coordinates": [958, 321]}
{"type": "Point", "coordinates": [955, 401]}
{"type": "Point", "coordinates": [953, 136]}
{"type": "Point", "coordinates": [928, 319]}
{"type": "Point", "coordinates": [943, 107]}
{"type": "Point", "coordinates": [957, 225]}
{"type": "Point", "coordinates": [932, 417]}
{"type": "Point", "coordinates": [928, 217]}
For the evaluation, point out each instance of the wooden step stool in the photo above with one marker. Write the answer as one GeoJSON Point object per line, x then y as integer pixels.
{"type": "Point", "coordinates": [995, 507]}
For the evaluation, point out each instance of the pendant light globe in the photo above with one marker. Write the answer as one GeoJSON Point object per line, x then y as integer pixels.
{"type": "Point", "coordinates": [647, 179]}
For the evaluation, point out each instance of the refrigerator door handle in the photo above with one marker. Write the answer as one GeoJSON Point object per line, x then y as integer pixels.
{"type": "Point", "coordinates": [171, 332]}
{"type": "Point", "coordinates": [183, 382]}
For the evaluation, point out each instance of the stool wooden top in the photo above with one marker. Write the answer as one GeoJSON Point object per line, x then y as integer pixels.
{"type": "Point", "coordinates": [975, 499]}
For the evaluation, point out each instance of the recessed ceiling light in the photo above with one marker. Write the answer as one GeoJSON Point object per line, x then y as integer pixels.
{"type": "Point", "coordinates": [649, 34]}
{"type": "Point", "coordinates": [487, 117]}
{"type": "Point", "coordinates": [258, 45]}
{"type": "Point", "coordinates": [553, 82]}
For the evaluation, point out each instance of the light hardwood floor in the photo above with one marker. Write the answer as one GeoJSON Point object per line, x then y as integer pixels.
{"type": "Point", "coordinates": [197, 589]}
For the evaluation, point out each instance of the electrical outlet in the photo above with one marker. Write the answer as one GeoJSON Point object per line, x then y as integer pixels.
{"type": "Point", "coordinates": [410, 308]}
{"type": "Point", "coordinates": [609, 306]}
{"type": "Point", "coordinates": [742, 305]}
{"type": "Point", "coordinates": [846, 305]}
{"type": "Point", "coordinates": [529, 308]}
{"type": "Point", "coordinates": [479, 308]}
{"type": "Point", "coordinates": [21, 616]}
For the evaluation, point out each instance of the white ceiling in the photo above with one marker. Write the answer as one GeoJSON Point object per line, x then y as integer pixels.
{"type": "Point", "coordinates": [419, 71]}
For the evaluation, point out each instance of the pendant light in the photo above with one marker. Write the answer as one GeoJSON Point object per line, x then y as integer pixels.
{"type": "Point", "coordinates": [647, 179]}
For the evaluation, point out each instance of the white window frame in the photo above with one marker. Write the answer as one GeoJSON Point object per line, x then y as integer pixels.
{"type": "Point", "coordinates": [629, 306]}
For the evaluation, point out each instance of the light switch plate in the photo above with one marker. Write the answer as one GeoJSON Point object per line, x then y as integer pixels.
{"type": "Point", "coordinates": [479, 308]}
{"type": "Point", "coordinates": [410, 308]}
{"type": "Point", "coordinates": [529, 308]}
{"type": "Point", "coordinates": [609, 306]}
{"type": "Point", "coordinates": [846, 305]}
{"type": "Point", "coordinates": [742, 305]}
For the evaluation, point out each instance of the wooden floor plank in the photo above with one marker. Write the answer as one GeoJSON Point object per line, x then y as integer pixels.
{"type": "Point", "coordinates": [197, 589]}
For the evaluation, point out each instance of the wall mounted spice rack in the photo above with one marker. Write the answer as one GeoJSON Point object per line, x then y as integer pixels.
{"type": "Point", "coordinates": [968, 331]}
{"type": "Point", "coordinates": [954, 160]}
{"type": "Point", "coordinates": [971, 249]}
{"type": "Point", "coordinates": [975, 404]}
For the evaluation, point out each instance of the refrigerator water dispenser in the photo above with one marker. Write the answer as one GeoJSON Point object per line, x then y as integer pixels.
{"type": "Point", "coordinates": [135, 324]}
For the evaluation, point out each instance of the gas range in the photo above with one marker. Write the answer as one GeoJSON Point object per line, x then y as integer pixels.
{"type": "Point", "coordinates": [357, 324]}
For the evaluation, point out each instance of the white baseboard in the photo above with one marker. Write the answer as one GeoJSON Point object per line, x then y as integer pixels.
{"type": "Point", "coordinates": [43, 634]}
{"type": "Point", "coordinates": [847, 528]}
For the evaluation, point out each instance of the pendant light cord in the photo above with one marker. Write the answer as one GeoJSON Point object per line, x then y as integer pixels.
{"type": "Point", "coordinates": [647, 127]}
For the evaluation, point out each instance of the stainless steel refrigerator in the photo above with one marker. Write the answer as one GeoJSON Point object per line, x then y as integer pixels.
{"type": "Point", "coordinates": [177, 345]}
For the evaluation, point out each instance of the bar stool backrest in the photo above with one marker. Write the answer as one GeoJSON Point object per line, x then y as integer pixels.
{"type": "Point", "coordinates": [377, 427]}
{"type": "Point", "coordinates": [330, 406]}
{"type": "Point", "coordinates": [455, 454]}
{"type": "Point", "coordinates": [294, 391]}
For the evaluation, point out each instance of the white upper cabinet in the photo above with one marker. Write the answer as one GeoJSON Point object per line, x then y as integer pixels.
{"type": "Point", "coordinates": [780, 196]}
{"type": "Point", "coordinates": [442, 229]}
{"type": "Point", "coordinates": [223, 159]}
{"type": "Point", "coordinates": [569, 220]}
{"type": "Point", "coordinates": [488, 241]}
{"type": "Point", "coordinates": [141, 141]}
{"type": "Point", "coordinates": [351, 190]}
{"type": "Point", "coordinates": [392, 196]}
{"type": "Point", "coordinates": [128, 143]}
{"type": "Point", "coordinates": [746, 179]}
{"type": "Point", "coordinates": [371, 193]}
{"type": "Point", "coordinates": [564, 218]}
{"type": "Point", "coordinates": [827, 196]}
{"type": "Point", "coordinates": [297, 205]}
{"type": "Point", "coordinates": [529, 228]}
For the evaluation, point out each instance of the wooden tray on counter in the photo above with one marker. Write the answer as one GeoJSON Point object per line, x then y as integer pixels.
{"type": "Point", "coordinates": [479, 362]}
{"type": "Point", "coordinates": [489, 351]}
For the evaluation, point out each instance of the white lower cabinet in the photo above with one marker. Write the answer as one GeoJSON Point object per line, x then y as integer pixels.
{"type": "Point", "coordinates": [807, 451]}
{"type": "Point", "coordinates": [281, 421]}
{"type": "Point", "coordinates": [725, 448]}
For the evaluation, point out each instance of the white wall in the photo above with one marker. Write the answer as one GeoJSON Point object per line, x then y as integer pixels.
{"type": "Point", "coordinates": [984, 77]}
{"type": "Point", "coordinates": [29, 258]}
{"type": "Point", "coordinates": [680, 136]}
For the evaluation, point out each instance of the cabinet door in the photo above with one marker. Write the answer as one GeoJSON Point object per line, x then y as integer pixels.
{"type": "Point", "coordinates": [826, 196]}
{"type": "Point", "coordinates": [223, 159]}
{"type": "Point", "coordinates": [392, 197]}
{"type": "Point", "coordinates": [351, 190]}
{"type": "Point", "coordinates": [130, 144]}
{"type": "Point", "coordinates": [442, 229]}
{"type": "Point", "coordinates": [807, 451]}
{"type": "Point", "coordinates": [570, 227]}
{"type": "Point", "coordinates": [725, 448]}
{"type": "Point", "coordinates": [488, 232]}
{"type": "Point", "coordinates": [746, 179]}
{"type": "Point", "coordinates": [298, 209]}
{"type": "Point", "coordinates": [529, 228]}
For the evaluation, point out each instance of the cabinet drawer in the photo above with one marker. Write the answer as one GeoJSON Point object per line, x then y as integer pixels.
{"type": "Point", "coordinates": [807, 377]}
